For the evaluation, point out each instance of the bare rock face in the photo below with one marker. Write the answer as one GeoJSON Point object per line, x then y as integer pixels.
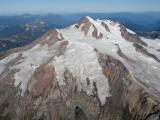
{"type": "Point", "coordinates": [131, 37]}
{"type": "Point", "coordinates": [67, 75]}
{"type": "Point", "coordinates": [106, 27]}
{"type": "Point", "coordinates": [140, 48]}
{"type": "Point", "coordinates": [41, 81]}
{"type": "Point", "coordinates": [95, 34]}
{"type": "Point", "coordinates": [129, 100]}
{"type": "Point", "coordinates": [51, 37]}
{"type": "Point", "coordinates": [86, 24]}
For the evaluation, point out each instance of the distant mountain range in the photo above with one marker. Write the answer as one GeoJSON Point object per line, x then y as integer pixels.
{"type": "Point", "coordinates": [144, 22]}
{"type": "Point", "coordinates": [19, 30]}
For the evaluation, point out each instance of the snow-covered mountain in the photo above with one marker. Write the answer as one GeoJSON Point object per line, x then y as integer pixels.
{"type": "Point", "coordinates": [91, 70]}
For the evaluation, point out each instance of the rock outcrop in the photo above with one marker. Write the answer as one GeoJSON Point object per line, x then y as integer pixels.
{"type": "Point", "coordinates": [87, 24]}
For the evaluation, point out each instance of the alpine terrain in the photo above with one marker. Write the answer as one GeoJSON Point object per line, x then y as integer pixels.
{"type": "Point", "coordinates": [91, 70]}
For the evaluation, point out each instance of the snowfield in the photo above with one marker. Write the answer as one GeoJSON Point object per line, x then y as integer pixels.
{"type": "Point", "coordinates": [81, 59]}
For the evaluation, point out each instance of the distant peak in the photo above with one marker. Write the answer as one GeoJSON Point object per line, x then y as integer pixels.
{"type": "Point", "coordinates": [27, 15]}
{"type": "Point", "coordinates": [51, 37]}
{"type": "Point", "coordinates": [89, 25]}
{"type": "Point", "coordinates": [89, 18]}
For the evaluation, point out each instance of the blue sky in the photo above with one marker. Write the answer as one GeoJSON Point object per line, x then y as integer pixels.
{"type": "Point", "coordinates": [73, 6]}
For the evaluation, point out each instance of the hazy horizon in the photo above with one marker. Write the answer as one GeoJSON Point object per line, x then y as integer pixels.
{"type": "Point", "coordinates": [76, 13]}
{"type": "Point", "coordinates": [79, 6]}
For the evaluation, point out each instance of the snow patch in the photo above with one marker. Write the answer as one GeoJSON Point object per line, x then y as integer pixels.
{"type": "Point", "coordinates": [81, 60]}
{"type": "Point", "coordinates": [140, 67]}
{"type": "Point", "coordinates": [98, 25]}
{"type": "Point", "coordinates": [130, 31]}
{"type": "Point", "coordinates": [32, 59]}
{"type": "Point", "coordinates": [6, 60]}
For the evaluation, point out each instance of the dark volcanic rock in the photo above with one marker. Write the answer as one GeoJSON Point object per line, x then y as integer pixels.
{"type": "Point", "coordinates": [106, 27]}
{"type": "Point", "coordinates": [131, 37]}
{"type": "Point", "coordinates": [129, 101]}
{"type": "Point", "coordinates": [95, 34]}
{"type": "Point", "coordinates": [150, 35]}
{"type": "Point", "coordinates": [86, 24]}
{"type": "Point", "coordinates": [141, 49]}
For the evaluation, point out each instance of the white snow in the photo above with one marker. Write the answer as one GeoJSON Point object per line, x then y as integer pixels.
{"type": "Point", "coordinates": [82, 62]}
{"type": "Point", "coordinates": [153, 46]}
{"type": "Point", "coordinates": [154, 43]}
{"type": "Point", "coordinates": [32, 59]}
{"type": "Point", "coordinates": [42, 22]}
{"type": "Point", "coordinates": [143, 66]}
{"type": "Point", "coordinates": [48, 37]}
{"type": "Point", "coordinates": [81, 59]}
{"type": "Point", "coordinates": [130, 31]}
{"type": "Point", "coordinates": [98, 25]}
{"type": "Point", "coordinates": [6, 60]}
